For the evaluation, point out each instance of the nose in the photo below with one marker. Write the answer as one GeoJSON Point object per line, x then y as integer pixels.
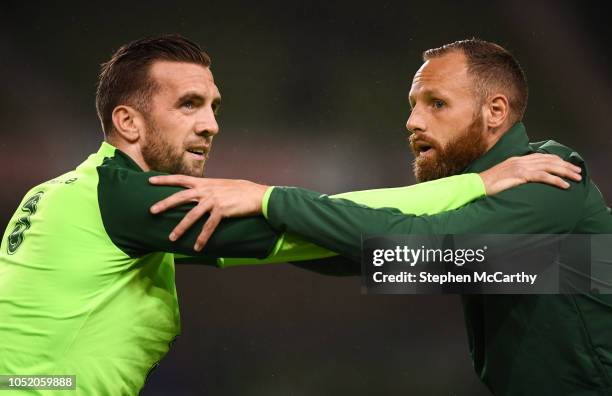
{"type": "Point", "coordinates": [207, 123]}
{"type": "Point", "coordinates": [416, 121]}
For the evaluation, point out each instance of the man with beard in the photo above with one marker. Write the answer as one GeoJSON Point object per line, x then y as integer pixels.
{"type": "Point", "coordinates": [86, 288]}
{"type": "Point", "coordinates": [86, 283]}
{"type": "Point", "coordinates": [468, 100]}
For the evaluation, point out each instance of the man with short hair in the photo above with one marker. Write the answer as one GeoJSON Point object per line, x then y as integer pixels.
{"type": "Point", "coordinates": [86, 287]}
{"type": "Point", "coordinates": [467, 100]}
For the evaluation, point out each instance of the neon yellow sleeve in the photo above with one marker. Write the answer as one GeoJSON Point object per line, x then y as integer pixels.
{"type": "Point", "coordinates": [419, 199]}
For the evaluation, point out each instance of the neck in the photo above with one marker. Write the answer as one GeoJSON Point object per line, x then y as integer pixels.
{"type": "Point", "coordinates": [496, 133]}
{"type": "Point", "coordinates": [133, 150]}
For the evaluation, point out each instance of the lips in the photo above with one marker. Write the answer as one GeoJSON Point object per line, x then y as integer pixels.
{"type": "Point", "coordinates": [200, 151]}
{"type": "Point", "coordinates": [422, 146]}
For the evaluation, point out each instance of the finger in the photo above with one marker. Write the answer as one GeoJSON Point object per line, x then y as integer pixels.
{"type": "Point", "coordinates": [568, 165]}
{"type": "Point", "coordinates": [563, 171]}
{"type": "Point", "coordinates": [573, 167]}
{"type": "Point", "coordinates": [555, 160]}
{"type": "Point", "coordinates": [537, 157]}
{"type": "Point", "coordinates": [174, 200]}
{"type": "Point", "coordinates": [208, 229]}
{"type": "Point", "coordinates": [578, 169]}
{"type": "Point", "coordinates": [544, 177]}
{"type": "Point", "coordinates": [569, 173]}
{"type": "Point", "coordinates": [541, 157]}
{"type": "Point", "coordinates": [190, 218]}
{"type": "Point", "coordinates": [172, 180]}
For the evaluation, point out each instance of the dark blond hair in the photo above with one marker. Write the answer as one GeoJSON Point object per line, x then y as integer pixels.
{"type": "Point", "coordinates": [493, 69]}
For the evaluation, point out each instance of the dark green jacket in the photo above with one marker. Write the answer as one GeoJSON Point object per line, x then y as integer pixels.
{"type": "Point", "coordinates": [520, 345]}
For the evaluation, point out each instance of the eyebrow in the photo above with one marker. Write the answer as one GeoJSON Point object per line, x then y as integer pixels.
{"type": "Point", "coordinates": [428, 93]}
{"type": "Point", "coordinates": [198, 98]}
{"type": "Point", "coordinates": [190, 96]}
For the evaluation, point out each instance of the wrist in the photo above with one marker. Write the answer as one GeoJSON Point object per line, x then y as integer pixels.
{"type": "Point", "coordinates": [487, 181]}
{"type": "Point", "coordinates": [265, 199]}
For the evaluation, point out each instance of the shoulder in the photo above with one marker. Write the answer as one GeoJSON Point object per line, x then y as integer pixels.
{"type": "Point", "coordinates": [123, 187]}
{"type": "Point", "coordinates": [124, 198]}
{"type": "Point", "coordinates": [556, 148]}
{"type": "Point", "coordinates": [547, 204]}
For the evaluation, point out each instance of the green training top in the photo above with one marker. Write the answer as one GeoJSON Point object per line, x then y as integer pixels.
{"type": "Point", "coordinates": [520, 344]}
{"type": "Point", "coordinates": [86, 288]}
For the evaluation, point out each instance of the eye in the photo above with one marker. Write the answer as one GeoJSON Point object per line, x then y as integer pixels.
{"type": "Point", "coordinates": [188, 104]}
{"type": "Point", "coordinates": [438, 104]}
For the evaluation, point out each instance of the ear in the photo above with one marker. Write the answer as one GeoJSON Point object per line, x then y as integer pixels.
{"type": "Point", "coordinates": [128, 123]}
{"type": "Point", "coordinates": [497, 111]}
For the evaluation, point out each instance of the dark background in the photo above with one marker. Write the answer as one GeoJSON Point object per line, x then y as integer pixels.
{"type": "Point", "coordinates": [314, 95]}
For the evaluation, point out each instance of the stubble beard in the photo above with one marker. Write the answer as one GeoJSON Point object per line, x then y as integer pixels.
{"type": "Point", "coordinates": [454, 157]}
{"type": "Point", "coordinates": [161, 156]}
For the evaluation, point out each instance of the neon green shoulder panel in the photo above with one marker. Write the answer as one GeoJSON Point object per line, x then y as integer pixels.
{"type": "Point", "coordinates": [419, 199]}
{"type": "Point", "coordinates": [71, 302]}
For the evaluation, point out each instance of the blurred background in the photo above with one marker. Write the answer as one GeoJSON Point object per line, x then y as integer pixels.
{"type": "Point", "coordinates": [315, 95]}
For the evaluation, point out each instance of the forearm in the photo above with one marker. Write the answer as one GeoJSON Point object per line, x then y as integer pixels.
{"type": "Point", "coordinates": [451, 193]}
{"type": "Point", "coordinates": [336, 224]}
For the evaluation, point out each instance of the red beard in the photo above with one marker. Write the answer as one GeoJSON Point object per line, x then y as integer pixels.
{"type": "Point", "coordinates": [452, 158]}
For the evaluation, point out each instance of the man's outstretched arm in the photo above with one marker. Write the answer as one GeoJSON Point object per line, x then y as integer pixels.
{"type": "Point", "coordinates": [235, 198]}
{"type": "Point", "coordinates": [531, 208]}
{"type": "Point", "coordinates": [452, 192]}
